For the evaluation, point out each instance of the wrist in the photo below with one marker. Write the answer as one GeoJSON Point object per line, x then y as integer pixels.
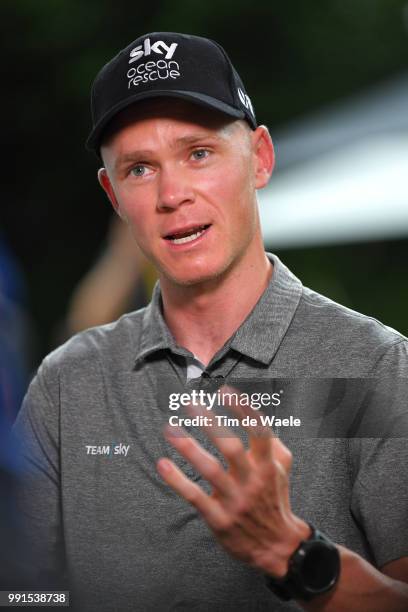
{"type": "Point", "coordinates": [313, 569]}
{"type": "Point", "coordinates": [277, 560]}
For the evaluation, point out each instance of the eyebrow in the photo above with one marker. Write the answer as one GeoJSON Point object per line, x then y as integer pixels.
{"type": "Point", "coordinates": [194, 138]}
{"type": "Point", "coordinates": [140, 154]}
{"type": "Point", "coordinates": [133, 156]}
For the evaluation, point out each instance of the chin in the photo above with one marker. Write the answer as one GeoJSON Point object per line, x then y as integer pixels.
{"type": "Point", "coordinates": [199, 276]}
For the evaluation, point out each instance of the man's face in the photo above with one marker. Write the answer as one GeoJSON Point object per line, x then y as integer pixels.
{"type": "Point", "coordinates": [184, 179]}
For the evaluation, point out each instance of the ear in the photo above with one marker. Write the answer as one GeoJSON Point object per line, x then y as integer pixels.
{"type": "Point", "coordinates": [264, 156]}
{"type": "Point", "coordinates": [106, 185]}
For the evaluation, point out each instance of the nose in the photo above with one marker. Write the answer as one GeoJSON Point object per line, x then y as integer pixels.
{"type": "Point", "coordinates": [175, 189]}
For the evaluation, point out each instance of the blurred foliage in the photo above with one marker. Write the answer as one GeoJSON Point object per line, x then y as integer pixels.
{"type": "Point", "coordinates": [369, 277]}
{"type": "Point", "coordinates": [294, 57]}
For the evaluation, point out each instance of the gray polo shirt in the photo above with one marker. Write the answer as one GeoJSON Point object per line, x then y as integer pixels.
{"type": "Point", "coordinates": [91, 425]}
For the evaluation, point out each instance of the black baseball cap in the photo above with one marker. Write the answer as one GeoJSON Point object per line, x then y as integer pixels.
{"type": "Point", "coordinates": [172, 65]}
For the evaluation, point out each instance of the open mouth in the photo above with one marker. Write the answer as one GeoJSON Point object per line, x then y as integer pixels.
{"type": "Point", "coordinates": [187, 236]}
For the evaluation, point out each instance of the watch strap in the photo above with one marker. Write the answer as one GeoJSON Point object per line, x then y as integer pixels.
{"type": "Point", "coordinates": [291, 586]}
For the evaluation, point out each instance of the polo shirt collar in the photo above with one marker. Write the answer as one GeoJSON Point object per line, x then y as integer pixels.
{"type": "Point", "coordinates": [262, 332]}
{"type": "Point", "coordinates": [155, 336]}
{"type": "Point", "coordinates": [258, 337]}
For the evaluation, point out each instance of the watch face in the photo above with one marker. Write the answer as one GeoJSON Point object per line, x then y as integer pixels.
{"type": "Point", "coordinates": [319, 567]}
{"type": "Point", "coordinates": [313, 569]}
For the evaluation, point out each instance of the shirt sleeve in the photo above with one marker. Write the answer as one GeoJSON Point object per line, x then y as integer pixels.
{"type": "Point", "coordinates": [380, 492]}
{"type": "Point", "coordinates": [38, 497]}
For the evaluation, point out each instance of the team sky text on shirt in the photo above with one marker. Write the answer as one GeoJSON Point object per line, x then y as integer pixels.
{"type": "Point", "coordinates": [108, 449]}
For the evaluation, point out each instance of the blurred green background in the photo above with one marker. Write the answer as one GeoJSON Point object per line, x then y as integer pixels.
{"type": "Point", "coordinates": [294, 57]}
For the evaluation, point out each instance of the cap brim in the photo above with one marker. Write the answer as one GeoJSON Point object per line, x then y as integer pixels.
{"type": "Point", "coordinates": [93, 142]}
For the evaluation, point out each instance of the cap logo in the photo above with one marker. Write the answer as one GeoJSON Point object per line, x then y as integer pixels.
{"type": "Point", "coordinates": [146, 49]}
{"type": "Point", "coordinates": [146, 72]}
{"type": "Point", "coordinates": [246, 100]}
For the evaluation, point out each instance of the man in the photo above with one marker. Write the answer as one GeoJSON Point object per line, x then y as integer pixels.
{"type": "Point", "coordinates": [216, 526]}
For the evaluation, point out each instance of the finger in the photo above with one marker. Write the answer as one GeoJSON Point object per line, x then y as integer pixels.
{"type": "Point", "coordinates": [261, 447]}
{"type": "Point", "coordinates": [282, 454]}
{"type": "Point", "coordinates": [207, 465]}
{"type": "Point", "coordinates": [250, 418]}
{"type": "Point", "coordinates": [260, 435]}
{"type": "Point", "coordinates": [207, 506]}
{"type": "Point", "coordinates": [229, 445]}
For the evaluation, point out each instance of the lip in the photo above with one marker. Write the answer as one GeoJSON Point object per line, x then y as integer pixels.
{"type": "Point", "coordinates": [191, 243]}
{"type": "Point", "coordinates": [183, 229]}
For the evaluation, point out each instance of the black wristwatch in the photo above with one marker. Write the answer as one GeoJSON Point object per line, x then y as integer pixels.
{"type": "Point", "coordinates": [314, 569]}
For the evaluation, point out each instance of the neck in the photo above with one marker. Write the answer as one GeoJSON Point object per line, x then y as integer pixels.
{"type": "Point", "coordinates": [203, 317]}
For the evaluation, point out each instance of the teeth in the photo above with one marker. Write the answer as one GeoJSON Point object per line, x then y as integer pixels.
{"type": "Point", "coordinates": [187, 238]}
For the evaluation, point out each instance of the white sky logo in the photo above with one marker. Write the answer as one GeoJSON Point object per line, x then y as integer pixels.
{"type": "Point", "coordinates": [146, 49]}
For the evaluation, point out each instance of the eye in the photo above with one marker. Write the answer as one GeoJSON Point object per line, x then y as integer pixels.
{"type": "Point", "coordinates": [200, 154]}
{"type": "Point", "coordinates": [139, 170]}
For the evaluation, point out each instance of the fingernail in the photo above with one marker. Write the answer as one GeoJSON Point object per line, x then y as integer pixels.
{"type": "Point", "coordinates": [164, 466]}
